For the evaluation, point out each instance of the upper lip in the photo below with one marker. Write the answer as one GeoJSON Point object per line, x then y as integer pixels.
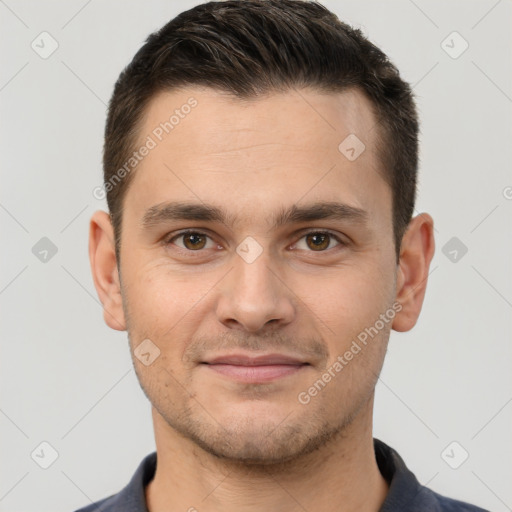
{"type": "Point", "coordinates": [252, 360]}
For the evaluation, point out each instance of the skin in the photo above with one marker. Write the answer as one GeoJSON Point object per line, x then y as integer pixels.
{"type": "Point", "coordinates": [225, 445]}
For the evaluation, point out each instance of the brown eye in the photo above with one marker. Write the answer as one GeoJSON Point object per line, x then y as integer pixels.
{"type": "Point", "coordinates": [318, 241]}
{"type": "Point", "coordinates": [193, 241]}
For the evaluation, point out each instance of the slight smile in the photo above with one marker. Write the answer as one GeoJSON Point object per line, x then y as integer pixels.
{"type": "Point", "coordinates": [255, 369]}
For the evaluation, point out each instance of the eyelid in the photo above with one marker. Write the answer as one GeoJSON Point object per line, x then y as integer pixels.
{"type": "Point", "coordinates": [332, 234]}
{"type": "Point", "coordinates": [168, 239]}
{"type": "Point", "coordinates": [301, 234]}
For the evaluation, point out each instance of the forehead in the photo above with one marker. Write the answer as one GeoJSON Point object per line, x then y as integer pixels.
{"type": "Point", "coordinates": [325, 119]}
{"type": "Point", "coordinates": [266, 151]}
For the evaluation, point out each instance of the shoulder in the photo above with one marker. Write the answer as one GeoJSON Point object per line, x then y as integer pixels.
{"type": "Point", "coordinates": [406, 493]}
{"type": "Point", "coordinates": [104, 505]}
{"type": "Point", "coordinates": [132, 496]}
{"type": "Point", "coordinates": [445, 504]}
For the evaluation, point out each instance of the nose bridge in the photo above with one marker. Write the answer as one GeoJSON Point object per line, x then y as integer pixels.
{"type": "Point", "coordinates": [255, 278]}
{"type": "Point", "coordinates": [253, 295]}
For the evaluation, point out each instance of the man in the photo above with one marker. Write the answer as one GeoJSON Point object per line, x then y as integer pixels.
{"type": "Point", "coordinates": [260, 168]}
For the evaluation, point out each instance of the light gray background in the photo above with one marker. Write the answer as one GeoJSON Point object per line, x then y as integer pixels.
{"type": "Point", "coordinates": [67, 379]}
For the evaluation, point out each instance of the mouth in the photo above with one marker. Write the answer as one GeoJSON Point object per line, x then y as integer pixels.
{"type": "Point", "coordinates": [255, 369]}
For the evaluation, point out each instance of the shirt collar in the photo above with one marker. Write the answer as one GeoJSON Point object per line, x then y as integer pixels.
{"type": "Point", "coordinates": [404, 488]}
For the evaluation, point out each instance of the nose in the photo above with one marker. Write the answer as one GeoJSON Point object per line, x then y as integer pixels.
{"type": "Point", "coordinates": [254, 297]}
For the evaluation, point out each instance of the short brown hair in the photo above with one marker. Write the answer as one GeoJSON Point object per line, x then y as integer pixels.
{"type": "Point", "coordinates": [253, 47]}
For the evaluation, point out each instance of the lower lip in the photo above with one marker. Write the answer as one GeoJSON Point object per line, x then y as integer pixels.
{"type": "Point", "coordinates": [256, 374]}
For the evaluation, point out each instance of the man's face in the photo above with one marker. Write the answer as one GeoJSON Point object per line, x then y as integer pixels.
{"type": "Point", "coordinates": [259, 282]}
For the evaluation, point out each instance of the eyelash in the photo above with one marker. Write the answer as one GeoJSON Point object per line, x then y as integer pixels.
{"type": "Point", "coordinates": [169, 240]}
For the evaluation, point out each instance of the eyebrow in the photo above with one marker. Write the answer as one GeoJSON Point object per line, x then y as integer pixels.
{"type": "Point", "coordinates": [173, 211]}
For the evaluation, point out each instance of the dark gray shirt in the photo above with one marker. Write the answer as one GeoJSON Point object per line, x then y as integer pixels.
{"type": "Point", "coordinates": [405, 492]}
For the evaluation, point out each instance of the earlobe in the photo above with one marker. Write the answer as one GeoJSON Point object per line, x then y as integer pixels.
{"type": "Point", "coordinates": [416, 253]}
{"type": "Point", "coordinates": [104, 269]}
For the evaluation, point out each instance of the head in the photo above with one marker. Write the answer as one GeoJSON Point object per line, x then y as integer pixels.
{"type": "Point", "coordinates": [286, 144]}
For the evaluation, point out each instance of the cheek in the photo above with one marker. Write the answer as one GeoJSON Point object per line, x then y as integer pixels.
{"type": "Point", "coordinates": [163, 305]}
{"type": "Point", "coordinates": [357, 337]}
{"type": "Point", "coordinates": [351, 306]}
{"type": "Point", "coordinates": [346, 301]}
{"type": "Point", "coordinates": [157, 292]}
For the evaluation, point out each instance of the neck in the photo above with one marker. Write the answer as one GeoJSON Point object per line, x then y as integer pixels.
{"type": "Point", "coordinates": [342, 475]}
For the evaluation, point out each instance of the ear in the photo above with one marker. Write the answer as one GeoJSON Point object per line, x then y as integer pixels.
{"type": "Point", "coordinates": [104, 269]}
{"type": "Point", "coordinates": [416, 252]}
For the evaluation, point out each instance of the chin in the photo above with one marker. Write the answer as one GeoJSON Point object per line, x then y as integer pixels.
{"type": "Point", "coordinates": [250, 442]}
